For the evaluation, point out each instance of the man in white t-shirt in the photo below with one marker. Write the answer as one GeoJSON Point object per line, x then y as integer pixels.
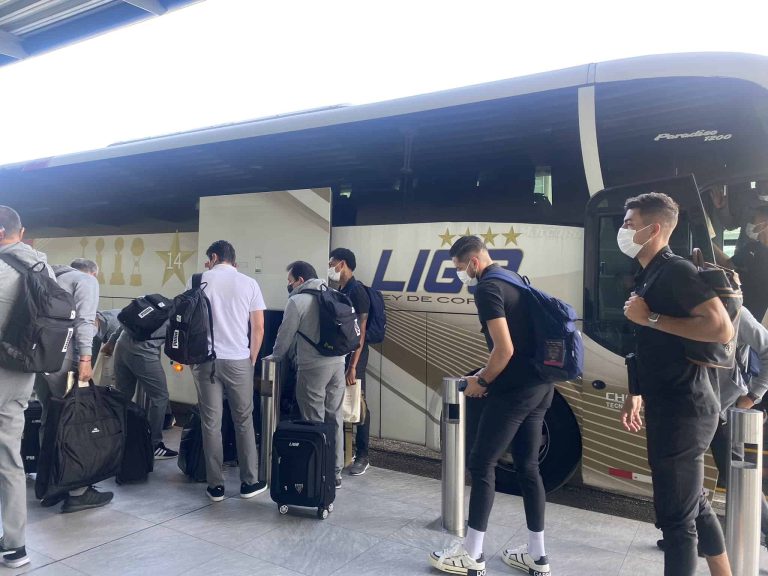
{"type": "Point", "coordinates": [236, 303]}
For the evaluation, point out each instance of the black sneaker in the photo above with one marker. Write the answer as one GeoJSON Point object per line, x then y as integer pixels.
{"type": "Point", "coordinates": [359, 466]}
{"type": "Point", "coordinates": [251, 490]}
{"type": "Point", "coordinates": [164, 453]}
{"type": "Point", "coordinates": [91, 498]}
{"type": "Point", "coordinates": [338, 482]}
{"type": "Point", "coordinates": [216, 494]}
{"type": "Point", "coordinates": [14, 557]}
{"type": "Point", "coordinates": [169, 422]}
{"type": "Point", "coordinates": [49, 501]}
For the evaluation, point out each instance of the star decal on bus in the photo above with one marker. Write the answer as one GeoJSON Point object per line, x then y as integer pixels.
{"type": "Point", "coordinates": [511, 236]}
{"type": "Point", "coordinates": [447, 238]}
{"type": "Point", "coordinates": [173, 260]}
{"type": "Point", "coordinates": [467, 233]}
{"type": "Point", "coordinates": [489, 237]}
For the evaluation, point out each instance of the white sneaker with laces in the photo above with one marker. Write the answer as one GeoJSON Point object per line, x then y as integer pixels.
{"type": "Point", "coordinates": [455, 560]}
{"type": "Point", "coordinates": [520, 559]}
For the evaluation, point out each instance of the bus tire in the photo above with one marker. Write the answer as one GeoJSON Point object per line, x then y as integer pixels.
{"type": "Point", "coordinates": [560, 454]}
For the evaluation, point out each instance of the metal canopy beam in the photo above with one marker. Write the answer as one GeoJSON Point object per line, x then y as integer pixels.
{"type": "Point", "coordinates": [152, 6]}
{"type": "Point", "coordinates": [10, 45]}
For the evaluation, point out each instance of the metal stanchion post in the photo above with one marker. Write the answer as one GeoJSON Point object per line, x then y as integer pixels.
{"type": "Point", "coordinates": [744, 491]}
{"type": "Point", "coordinates": [452, 428]}
{"type": "Point", "coordinates": [270, 414]}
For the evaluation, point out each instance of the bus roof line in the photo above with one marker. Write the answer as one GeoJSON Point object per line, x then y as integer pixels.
{"type": "Point", "coordinates": [732, 65]}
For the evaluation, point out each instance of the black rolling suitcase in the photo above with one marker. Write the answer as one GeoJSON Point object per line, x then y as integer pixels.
{"type": "Point", "coordinates": [138, 455]}
{"type": "Point", "coordinates": [30, 438]}
{"type": "Point", "coordinates": [303, 463]}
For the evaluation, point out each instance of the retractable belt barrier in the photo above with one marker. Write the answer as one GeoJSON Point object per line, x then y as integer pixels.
{"type": "Point", "coordinates": [269, 390]}
{"type": "Point", "coordinates": [744, 491]}
{"type": "Point", "coordinates": [452, 428]}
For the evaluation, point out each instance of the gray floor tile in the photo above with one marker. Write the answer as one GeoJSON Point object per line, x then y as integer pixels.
{"type": "Point", "coordinates": [61, 535]}
{"type": "Point", "coordinates": [230, 523]}
{"type": "Point", "coordinates": [57, 569]}
{"type": "Point", "coordinates": [157, 550]}
{"type": "Point", "coordinates": [387, 558]}
{"type": "Point", "coordinates": [237, 564]}
{"type": "Point", "coordinates": [372, 514]}
{"type": "Point", "coordinates": [308, 545]}
{"type": "Point", "coordinates": [609, 533]}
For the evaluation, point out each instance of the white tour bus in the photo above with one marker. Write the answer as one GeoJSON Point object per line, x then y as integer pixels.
{"type": "Point", "coordinates": [538, 166]}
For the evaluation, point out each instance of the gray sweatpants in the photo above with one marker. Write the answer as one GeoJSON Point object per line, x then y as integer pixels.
{"type": "Point", "coordinates": [132, 368]}
{"type": "Point", "coordinates": [320, 396]}
{"type": "Point", "coordinates": [235, 377]}
{"type": "Point", "coordinates": [15, 390]}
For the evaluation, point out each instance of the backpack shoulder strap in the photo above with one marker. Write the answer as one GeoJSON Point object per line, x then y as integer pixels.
{"type": "Point", "coordinates": [197, 280]}
{"type": "Point", "coordinates": [507, 276]}
{"type": "Point", "coordinates": [657, 274]}
{"type": "Point", "coordinates": [14, 263]}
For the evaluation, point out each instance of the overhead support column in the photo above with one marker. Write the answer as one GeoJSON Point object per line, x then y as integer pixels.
{"type": "Point", "coordinates": [10, 45]}
{"type": "Point", "coordinates": [152, 6]}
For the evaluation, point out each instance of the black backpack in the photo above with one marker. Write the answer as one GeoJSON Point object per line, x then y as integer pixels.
{"type": "Point", "coordinates": [190, 324]}
{"type": "Point", "coordinates": [145, 315]}
{"type": "Point", "coordinates": [42, 323]}
{"type": "Point", "coordinates": [376, 325]}
{"type": "Point", "coordinates": [339, 328]}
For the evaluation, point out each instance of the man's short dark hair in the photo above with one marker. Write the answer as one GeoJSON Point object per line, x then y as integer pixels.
{"type": "Point", "coordinates": [655, 204]}
{"type": "Point", "coordinates": [223, 249]}
{"type": "Point", "coordinates": [345, 254]}
{"type": "Point", "coordinates": [301, 269]}
{"type": "Point", "coordinates": [465, 247]}
{"type": "Point", "coordinates": [85, 265]}
{"type": "Point", "coordinates": [10, 220]}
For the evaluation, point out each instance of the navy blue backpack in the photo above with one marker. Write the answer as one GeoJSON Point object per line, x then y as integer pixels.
{"type": "Point", "coordinates": [376, 326]}
{"type": "Point", "coordinates": [559, 350]}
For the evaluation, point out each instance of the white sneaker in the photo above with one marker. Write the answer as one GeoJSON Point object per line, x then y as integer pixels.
{"type": "Point", "coordinates": [455, 560]}
{"type": "Point", "coordinates": [520, 559]}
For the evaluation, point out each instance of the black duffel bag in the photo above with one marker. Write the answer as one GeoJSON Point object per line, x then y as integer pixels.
{"type": "Point", "coordinates": [83, 440]}
{"type": "Point", "coordinates": [191, 459]}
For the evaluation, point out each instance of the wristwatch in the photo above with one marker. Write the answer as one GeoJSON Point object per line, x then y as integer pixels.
{"type": "Point", "coordinates": [653, 318]}
{"type": "Point", "coordinates": [754, 397]}
{"type": "Point", "coordinates": [482, 382]}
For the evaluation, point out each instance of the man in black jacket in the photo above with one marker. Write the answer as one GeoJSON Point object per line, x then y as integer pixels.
{"type": "Point", "coordinates": [681, 408]}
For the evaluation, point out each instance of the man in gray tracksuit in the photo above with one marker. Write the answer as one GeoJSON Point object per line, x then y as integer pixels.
{"type": "Point", "coordinates": [80, 281]}
{"type": "Point", "coordinates": [15, 390]}
{"type": "Point", "coordinates": [139, 361]}
{"type": "Point", "coordinates": [320, 379]}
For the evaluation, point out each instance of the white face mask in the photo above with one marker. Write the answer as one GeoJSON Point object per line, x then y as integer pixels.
{"type": "Point", "coordinates": [626, 241]}
{"type": "Point", "coordinates": [466, 278]}
{"type": "Point", "coordinates": [333, 274]}
{"type": "Point", "coordinates": [754, 230]}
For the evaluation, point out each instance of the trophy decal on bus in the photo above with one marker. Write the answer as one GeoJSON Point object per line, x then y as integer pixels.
{"type": "Point", "coordinates": [137, 249]}
{"type": "Point", "coordinates": [99, 258]}
{"type": "Point", "coordinates": [117, 278]}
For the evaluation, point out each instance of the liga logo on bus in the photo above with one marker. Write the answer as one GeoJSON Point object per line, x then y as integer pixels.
{"type": "Point", "coordinates": [708, 135]}
{"type": "Point", "coordinates": [432, 271]}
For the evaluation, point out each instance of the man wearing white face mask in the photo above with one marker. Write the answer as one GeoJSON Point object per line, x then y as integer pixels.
{"type": "Point", "coordinates": [681, 408]}
{"type": "Point", "coordinates": [513, 414]}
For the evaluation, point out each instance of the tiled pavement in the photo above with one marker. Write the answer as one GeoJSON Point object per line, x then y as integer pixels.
{"type": "Point", "coordinates": [381, 525]}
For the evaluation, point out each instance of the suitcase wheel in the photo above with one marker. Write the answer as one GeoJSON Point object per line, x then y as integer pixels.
{"type": "Point", "coordinates": [330, 507]}
{"type": "Point", "coordinates": [282, 508]}
{"type": "Point", "coordinates": [322, 513]}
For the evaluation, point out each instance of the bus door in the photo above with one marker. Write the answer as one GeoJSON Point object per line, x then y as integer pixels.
{"type": "Point", "coordinates": [612, 457]}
